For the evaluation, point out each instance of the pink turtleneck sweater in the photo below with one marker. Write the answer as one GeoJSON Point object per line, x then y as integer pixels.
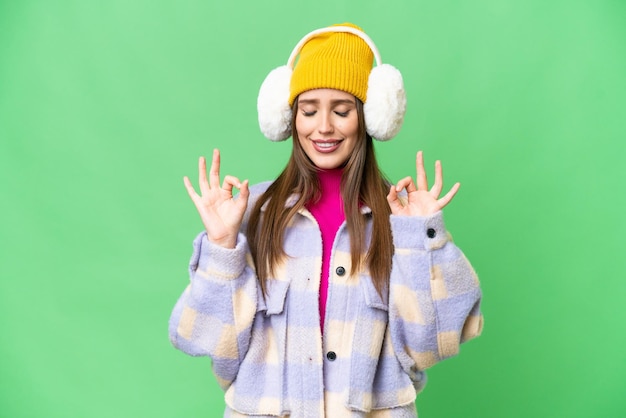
{"type": "Point", "coordinates": [328, 212]}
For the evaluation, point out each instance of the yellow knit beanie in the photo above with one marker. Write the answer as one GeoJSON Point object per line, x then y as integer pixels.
{"type": "Point", "coordinates": [333, 60]}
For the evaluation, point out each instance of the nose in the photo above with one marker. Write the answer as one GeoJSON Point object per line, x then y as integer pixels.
{"type": "Point", "coordinates": [326, 124]}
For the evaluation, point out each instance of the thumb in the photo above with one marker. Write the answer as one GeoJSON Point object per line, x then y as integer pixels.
{"type": "Point", "coordinates": [244, 193]}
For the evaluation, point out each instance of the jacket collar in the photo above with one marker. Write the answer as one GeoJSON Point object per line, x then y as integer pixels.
{"type": "Point", "coordinates": [293, 198]}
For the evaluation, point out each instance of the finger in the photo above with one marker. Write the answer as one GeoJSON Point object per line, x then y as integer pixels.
{"type": "Point", "coordinates": [214, 173]}
{"type": "Point", "coordinates": [392, 198]}
{"type": "Point", "coordinates": [190, 190]}
{"type": "Point", "coordinates": [438, 185]}
{"type": "Point", "coordinates": [422, 181]}
{"type": "Point", "coordinates": [244, 192]}
{"type": "Point", "coordinates": [448, 197]}
{"type": "Point", "coordinates": [204, 185]}
{"type": "Point", "coordinates": [406, 182]}
{"type": "Point", "coordinates": [230, 182]}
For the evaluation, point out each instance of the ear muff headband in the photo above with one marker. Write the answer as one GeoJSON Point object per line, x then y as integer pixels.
{"type": "Point", "coordinates": [348, 29]}
{"type": "Point", "coordinates": [383, 111]}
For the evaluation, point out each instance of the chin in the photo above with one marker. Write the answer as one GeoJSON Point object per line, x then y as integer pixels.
{"type": "Point", "coordinates": [328, 165]}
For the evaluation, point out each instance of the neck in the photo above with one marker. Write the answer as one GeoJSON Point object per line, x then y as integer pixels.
{"type": "Point", "coordinates": [330, 179]}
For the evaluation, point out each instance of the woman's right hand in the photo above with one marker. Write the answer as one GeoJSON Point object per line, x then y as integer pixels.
{"type": "Point", "coordinates": [221, 214]}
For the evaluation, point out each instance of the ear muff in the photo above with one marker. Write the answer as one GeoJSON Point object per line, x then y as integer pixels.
{"type": "Point", "coordinates": [383, 111]}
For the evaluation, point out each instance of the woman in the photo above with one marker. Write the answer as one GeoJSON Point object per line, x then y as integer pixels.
{"type": "Point", "coordinates": [328, 291]}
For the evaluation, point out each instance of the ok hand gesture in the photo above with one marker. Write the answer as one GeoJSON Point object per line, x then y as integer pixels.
{"type": "Point", "coordinates": [420, 201]}
{"type": "Point", "coordinates": [221, 214]}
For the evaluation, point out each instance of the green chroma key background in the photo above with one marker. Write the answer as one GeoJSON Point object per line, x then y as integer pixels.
{"type": "Point", "coordinates": [105, 106]}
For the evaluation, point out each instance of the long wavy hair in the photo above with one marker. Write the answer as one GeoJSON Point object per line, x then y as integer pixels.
{"type": "Point", "coordinates": [362, 183]}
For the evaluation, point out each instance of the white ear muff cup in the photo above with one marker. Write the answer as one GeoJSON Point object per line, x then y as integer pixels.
{"type": "Point", "coordinates": [273, 104]}
{"type": "Point", "coordinates": [386, 102]}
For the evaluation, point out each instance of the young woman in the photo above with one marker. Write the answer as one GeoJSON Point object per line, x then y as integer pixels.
{"type": "Point", "coordinates": [327, 292]}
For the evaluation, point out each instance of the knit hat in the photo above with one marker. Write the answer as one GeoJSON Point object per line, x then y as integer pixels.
{"type": "Point", "coordinates": [333, 60]}
{"type": "Point", "coordinates": [337, 57]}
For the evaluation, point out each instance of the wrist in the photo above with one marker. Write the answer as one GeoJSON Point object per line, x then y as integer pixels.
{"type": "Point", "coordinates": [225, 242]}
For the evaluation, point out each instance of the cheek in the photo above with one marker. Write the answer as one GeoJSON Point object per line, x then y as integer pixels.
{"type": "Point", "coordinates": [303, 142]}
{"type": "Point", "coordinates": [302, 132]}
{"type": "Point", "coordinates": [353, 145]}
{"type": "Point", "coordinates": [350, 127]}
{"type": "Point", "coordinates": [302, 128]}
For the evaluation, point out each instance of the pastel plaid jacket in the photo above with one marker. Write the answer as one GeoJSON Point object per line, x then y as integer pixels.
{"type": "Point", "coordinates": [268, 353]}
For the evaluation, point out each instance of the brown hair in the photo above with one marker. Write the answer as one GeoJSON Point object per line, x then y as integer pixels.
{"type": "Point", "coordinates": [362, 182]}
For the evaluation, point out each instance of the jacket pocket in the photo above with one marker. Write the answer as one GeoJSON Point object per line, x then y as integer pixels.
{"type": "Point", "coordinates": [371, 296]}
{"type": "Point", "coordinates": [369, 334]}
{"type": "Point", "coordinates": [259, 386]}
{"type": "Point", "coordinates": [377, 380]}
{"type": "Point", "coordinates": [274, 302]}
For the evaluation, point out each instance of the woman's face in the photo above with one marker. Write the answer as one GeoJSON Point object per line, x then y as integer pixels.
{"type": "Point", "coordinates": [327, 126]}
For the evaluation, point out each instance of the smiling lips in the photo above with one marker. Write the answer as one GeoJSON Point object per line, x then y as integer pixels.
{"type": "Point", "coordinates": [326, 146]}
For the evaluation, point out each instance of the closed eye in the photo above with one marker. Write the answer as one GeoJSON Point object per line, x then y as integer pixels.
{"type": "Point", "coordinates": [305, 113]}
{"type": "Point", "coordinates": [342, 114]}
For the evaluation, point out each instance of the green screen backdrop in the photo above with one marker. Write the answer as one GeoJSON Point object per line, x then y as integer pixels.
{"type": "Point", "coordinates": [105, 106]}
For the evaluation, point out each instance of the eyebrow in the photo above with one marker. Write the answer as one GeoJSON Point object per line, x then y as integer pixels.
{"type": "Point", "coordinates": [333, 102]}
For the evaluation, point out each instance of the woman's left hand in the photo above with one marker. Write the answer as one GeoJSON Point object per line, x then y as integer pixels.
{"type": "Point", "coordinates": [420, 201]}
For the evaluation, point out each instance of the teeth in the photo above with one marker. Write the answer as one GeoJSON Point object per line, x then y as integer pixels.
{"type": "Point", "coordinates": [326, 144]}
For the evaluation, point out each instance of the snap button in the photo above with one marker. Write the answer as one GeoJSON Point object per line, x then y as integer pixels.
{"type": "Point", "coordinates": [340, 271]}
{"type": "Point", "coordinates": [431, 233]}
{"type": "Point", "coordinates": [331, 355]}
